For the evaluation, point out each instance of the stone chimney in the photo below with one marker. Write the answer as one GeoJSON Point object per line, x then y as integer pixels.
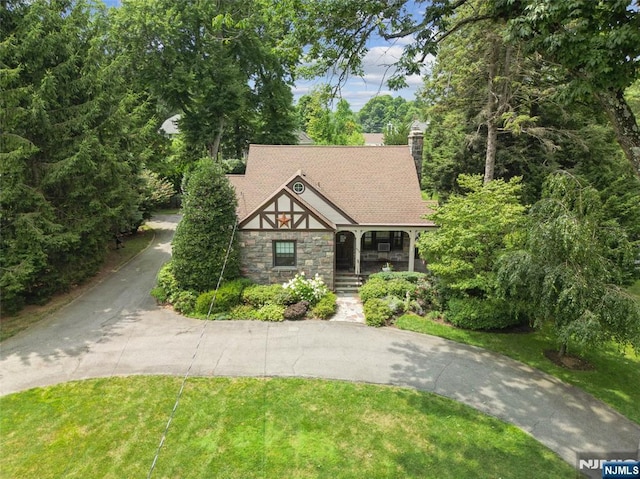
{"type": "Point", "coordinates": [416, 143]}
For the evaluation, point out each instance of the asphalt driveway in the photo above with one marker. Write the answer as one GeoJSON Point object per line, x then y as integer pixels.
{"type": "Point", "coordinates": [117, 329]}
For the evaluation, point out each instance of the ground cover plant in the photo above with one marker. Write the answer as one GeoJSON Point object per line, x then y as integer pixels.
{"type": "Point", "coordinates": [257, 428]}
{"type": "Point", "coordinates": [387, 295]}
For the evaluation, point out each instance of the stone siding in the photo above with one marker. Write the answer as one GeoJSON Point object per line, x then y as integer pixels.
{"type": "Point", "coordinates": [314, 254]}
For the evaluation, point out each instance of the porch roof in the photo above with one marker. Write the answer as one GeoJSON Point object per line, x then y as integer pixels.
{"type": "Point", "coordinates": [374, 185]}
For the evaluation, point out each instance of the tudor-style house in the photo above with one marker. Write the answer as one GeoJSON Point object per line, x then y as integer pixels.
{"type": "Point", "coordinates": [331, 210]}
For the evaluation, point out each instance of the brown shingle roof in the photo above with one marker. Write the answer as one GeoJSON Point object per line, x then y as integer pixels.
{"type": "Point", "coordinates": [373, 185]}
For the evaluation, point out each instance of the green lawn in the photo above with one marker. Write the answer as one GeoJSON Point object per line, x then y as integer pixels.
{"type": "Point", "coordinates": [615, 378]}
{"type": "Point", "coordinates": [258, 428]}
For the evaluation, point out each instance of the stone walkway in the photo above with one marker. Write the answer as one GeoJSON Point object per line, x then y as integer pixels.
{"type": "Point", "coordinates": [349, 309]}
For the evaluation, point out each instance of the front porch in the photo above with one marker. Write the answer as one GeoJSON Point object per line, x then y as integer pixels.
{"type": "Point", "coordinates": [371, 267]}
{"type": "Point", "coordinates": [362, 252]}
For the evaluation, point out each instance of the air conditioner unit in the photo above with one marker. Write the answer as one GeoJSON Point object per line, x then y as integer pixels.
{"type": "Point", "coordinates": [384, 246]}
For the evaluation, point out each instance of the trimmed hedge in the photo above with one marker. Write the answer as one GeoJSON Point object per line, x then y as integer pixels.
{"type": "Point", "coordinates": [260, 295]}
{"type": "Point", "coordinates": [228, 296]}
{"type": "Point", "coordinates": [475, 314]}
{"type": "Point", "coordinates": [377, 287]}
{"type": "Point", "coordinates": [411, 276]}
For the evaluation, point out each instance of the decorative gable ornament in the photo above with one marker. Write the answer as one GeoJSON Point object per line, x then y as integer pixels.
{"type": "Point", "coordinates": [286, 210]}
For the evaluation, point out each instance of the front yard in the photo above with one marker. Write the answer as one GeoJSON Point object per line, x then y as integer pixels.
{"type": "Point", "coordinates": [258, 428]}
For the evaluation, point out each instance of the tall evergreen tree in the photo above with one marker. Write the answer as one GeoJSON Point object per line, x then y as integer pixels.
{"type": "Point", "coordinates": [71, 140]}
{"type": "Point", "coordinates": [205, 232]}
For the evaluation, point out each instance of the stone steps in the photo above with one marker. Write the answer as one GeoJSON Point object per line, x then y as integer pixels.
{"type": "Point", "coordinates": [347, 283]}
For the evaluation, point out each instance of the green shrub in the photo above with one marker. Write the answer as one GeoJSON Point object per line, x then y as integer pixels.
{"type": "Point", "coordinates": [400, 287]}
{"type": "Point", "coordinates": [427, 294]}
{"type": "Point", "coordinates": [474, 313]}
{"type": "Point", "coordinates": [160, 294]}
{"type": "Point", "coordinates": [411, 276]}
{"type": "Point", "coordinates": [270, 312]}
{"type": "Point", "coordinates": [243, 311]}
{"type": "Point", "coordinates": [376, 312]}
{"type": "Point", "coordinates": [415, 307]}
{"type": "Point", "coordinates": [259, 295]}
{"type": "Point", "coordinates": [396, 305]}
{"type": "Point", "coordinates": [167, 281]}
{"type": "Point", "coordinates": [435, 315]}
{"type": "Point", "coordinates": [326, 307]}
{"type": "Point", "coordinates": [296, 311]}
{"type": "Point", "coordinates": [373, 288]}
{"type": "Point", "coordinates": [228, 296]}
{"type": "Point", "coordinates": [377, 287]}
{"type": "Point", "coordinates": [185, 302]}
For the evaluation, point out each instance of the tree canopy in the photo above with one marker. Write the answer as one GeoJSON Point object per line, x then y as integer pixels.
{"type": "Point", "coordinates": [597, 43]}
{"type": "Point", "coordinates": [384, 110]}
{"type": "Point", "coordinates": [224, 65]}
{"type": "Point", "coordinates": [73, 136]}
{"type": "Point", "coordinates": [572, 266]}
{"type": "Point", "coordinates": [324, 126]}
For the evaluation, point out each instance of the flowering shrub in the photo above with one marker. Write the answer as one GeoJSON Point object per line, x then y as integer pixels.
{"type": "Point", "coordinates": [303, 289]}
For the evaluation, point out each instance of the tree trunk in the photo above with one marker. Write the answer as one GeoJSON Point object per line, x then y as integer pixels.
{"type": "Point", "coordinates": [490, 158]}
{"type": "Point", "coordinates": [563, 350]}
{"type": "Point", "coordinates": [624, 124]}
{"type": "Point", "coordinates": [215, 146]}
{"type": "Point", "coordinates": [492, 127]}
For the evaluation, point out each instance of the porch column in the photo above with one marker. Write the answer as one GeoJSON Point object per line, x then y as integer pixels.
{"type": "Point", "coordinates": [358, 237]}
{"type": "Point", "coordinates": [412, 249]}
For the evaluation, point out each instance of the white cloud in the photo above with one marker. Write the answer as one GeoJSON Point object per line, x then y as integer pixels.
{"type": "Point", "coordinates": [378, 67]}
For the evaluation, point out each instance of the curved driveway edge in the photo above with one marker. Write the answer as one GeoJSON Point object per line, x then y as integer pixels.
{"type": "Point", "coordinates": [117, 329]}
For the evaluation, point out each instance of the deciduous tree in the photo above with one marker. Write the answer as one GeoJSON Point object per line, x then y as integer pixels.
{"type": "Point", "coordinates": [223, 65]}
{"type": "Point", "coordinates": [571, 268]}
{"type": "Point", "coordinates": [473, 231]}
{"type": "Point", "coordinates": [597, 42]}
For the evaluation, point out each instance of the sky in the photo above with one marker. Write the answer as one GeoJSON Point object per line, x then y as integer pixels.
{"type": "Point", "coordinates": [358, 90]}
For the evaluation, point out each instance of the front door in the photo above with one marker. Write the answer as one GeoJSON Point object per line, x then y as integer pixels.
{"type": "Point", "coordinates": [344, 250]}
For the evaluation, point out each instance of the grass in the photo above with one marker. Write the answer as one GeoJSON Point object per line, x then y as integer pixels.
{"type": "Point", "coordinates": [635, 289]}
{"type": "Point", "coordinates": [258, 428]}
{"type": "Point", "coordinates": [615, 378]}
{"type": "Point", "coordinates": [116, 258]}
